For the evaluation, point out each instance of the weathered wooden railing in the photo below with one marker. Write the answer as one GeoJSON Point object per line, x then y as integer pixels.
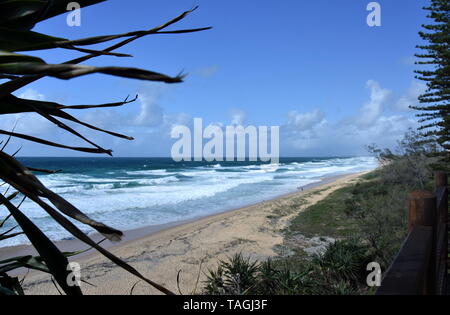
{"type": "Point", "coordinates": [421, 266]}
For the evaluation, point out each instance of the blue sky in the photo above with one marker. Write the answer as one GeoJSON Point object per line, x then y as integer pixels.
{"type": "Point", "coordinates": [315, 68]}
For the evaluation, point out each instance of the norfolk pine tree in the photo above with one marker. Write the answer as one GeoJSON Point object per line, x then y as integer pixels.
{"type": "Point", "coordinates": [435, 108]}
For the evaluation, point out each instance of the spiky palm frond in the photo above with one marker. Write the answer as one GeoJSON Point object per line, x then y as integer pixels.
{"type": "Point", "coordinates": [17, 19]}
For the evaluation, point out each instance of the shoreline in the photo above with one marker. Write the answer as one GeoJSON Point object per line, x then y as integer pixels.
{"type": "Point", "coordinates": [73, 244]}
{"type": "Point", "coordinates": [189, 246]}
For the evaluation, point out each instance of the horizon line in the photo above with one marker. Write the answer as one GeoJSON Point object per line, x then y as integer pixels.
{"type": "Point", "coordinates": [168, 157]}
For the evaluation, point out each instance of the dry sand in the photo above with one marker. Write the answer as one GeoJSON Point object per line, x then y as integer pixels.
{"type": "Point", "coordinates": [256, 231]}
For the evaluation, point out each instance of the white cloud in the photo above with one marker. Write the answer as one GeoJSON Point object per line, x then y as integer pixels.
{"type": "Point", "coordinates": [173, 121]}
{"type": "Point", "coordinates": [207, 72]}
{"type": "Point", "coordinates": [32, 94]}
{"type": "Point", "coordinates": [311, 133]}
{"type": "Point", "coordinates": [373, 109]}
{"type": "Point", "coordinates": [151, 114]}
{"type": "Point", "coordinates": [304, 121]}
{"type": "Point", "coordinates": [237, 117]}
{"type": "Point", "coordinates": [410, 98]}
{"type": "Point", "coordinates": [304, 133]}
{"type": "Point", "coordinates": [30, 123]}
{"type": "Point", "coordinates": [343, 138]}
{"type": "Point", "coordinates": [144, 113]}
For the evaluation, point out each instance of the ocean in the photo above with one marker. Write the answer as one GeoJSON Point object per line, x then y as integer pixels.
{"type": "Point", "coordinates": [129, 193]}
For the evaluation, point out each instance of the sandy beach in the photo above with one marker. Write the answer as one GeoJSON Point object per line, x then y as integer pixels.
{"type": "Point", "coordinates": [190, 247]}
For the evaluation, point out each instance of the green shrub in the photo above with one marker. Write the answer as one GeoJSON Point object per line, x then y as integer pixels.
{"type": "Point", "coordinates": [237, 275]}
{"type": "Point", "coordinates": [344, 261]}
{"type": "Point", "coordinates": [340, 270]}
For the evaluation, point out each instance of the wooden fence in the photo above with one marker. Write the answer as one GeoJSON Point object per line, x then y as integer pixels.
{"type": "Point", "coordinates": [421, 266]}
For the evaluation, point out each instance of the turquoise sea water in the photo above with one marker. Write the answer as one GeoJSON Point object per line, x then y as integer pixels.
{"type": "Point", "coordinates": [129, 193]}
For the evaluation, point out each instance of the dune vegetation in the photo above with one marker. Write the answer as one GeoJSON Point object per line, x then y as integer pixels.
{"type": "Point", "coordinates": [367, 220]}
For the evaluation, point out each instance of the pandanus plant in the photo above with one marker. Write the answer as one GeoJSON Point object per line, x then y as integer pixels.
{"type": "Point", "coordinates": [17, 70]}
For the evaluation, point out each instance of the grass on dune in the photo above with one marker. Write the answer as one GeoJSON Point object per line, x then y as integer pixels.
{"type": "Point", "coordinates": [325, 218]}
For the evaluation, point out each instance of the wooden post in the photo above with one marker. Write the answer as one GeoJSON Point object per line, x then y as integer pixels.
{"type": "Point", "coordinates": [422, 208]}
{"type": "Point", "coordinates": [422, 212]}
{"type": "Point", "coordinates": [440, 179]}
{"type": "Point", "coordinates": [441, 182]}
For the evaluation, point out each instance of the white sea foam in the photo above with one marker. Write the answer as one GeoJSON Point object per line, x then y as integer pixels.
{"type": "Point", "coordinates": [134, 198]}
{"type": "Point", "coordinates": [147, 172]}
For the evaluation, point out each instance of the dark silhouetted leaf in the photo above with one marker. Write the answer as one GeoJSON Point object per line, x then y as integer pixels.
{"type": "Point", "coordinates": [21, 14]}
{"type": "Point", "coordinates": [69, 71]}
{"type": "Point", "coordinates": [56, 262]}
